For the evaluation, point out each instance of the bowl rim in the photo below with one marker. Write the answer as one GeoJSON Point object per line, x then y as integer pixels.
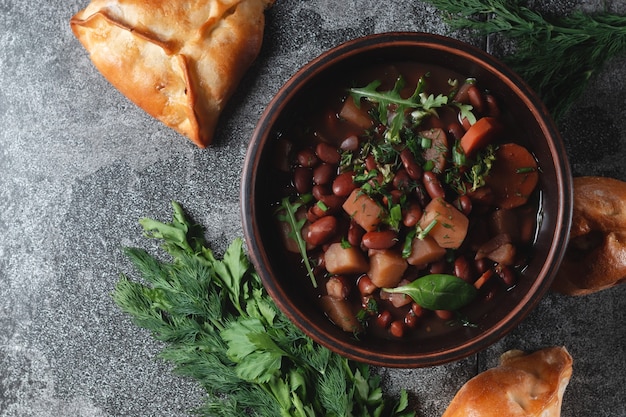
{"type": "Point", "coordinates": [536, 292]}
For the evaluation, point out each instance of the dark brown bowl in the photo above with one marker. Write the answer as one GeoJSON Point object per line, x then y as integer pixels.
{"type": "Point", "coordinates": [288, 287]}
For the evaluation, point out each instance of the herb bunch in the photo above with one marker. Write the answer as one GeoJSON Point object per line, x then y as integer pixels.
{"type": "Point", "coordinates": [556, 56]}
{"type": "Point", "coordinates": [222, 329]}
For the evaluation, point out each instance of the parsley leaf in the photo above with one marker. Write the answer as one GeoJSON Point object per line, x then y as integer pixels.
{"type": "Point", "coordinates": [221, 328]}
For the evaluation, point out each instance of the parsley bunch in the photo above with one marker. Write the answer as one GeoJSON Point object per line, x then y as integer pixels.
{"type": "Point", "coordinates": [556, 55]}
{"type": "Point", "coordinates": [222, 329]}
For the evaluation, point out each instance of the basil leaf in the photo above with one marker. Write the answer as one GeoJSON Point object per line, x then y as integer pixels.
{"type": "Point", "coordinates": [438, 292]}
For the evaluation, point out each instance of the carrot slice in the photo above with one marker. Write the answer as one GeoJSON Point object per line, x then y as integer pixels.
{"type": "Point", "coordinates": [513, 176]}
{"type": "Point", "coordinates": [480, 134]}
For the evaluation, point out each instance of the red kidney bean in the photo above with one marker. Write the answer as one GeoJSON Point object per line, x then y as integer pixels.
{"type": "Point", "coordinates": [493, 109]}
{"type": "Point", "coordinates": [307, 158]}
{"type": "Point", "coordinates": [303, 179]}
{"type": "Point", "coordinates": [321, 230]}
{"type": "Point", "coordinates": [411, 320]}
{"type": "Point", "coordinates": [456, 130]}
{"type": "Point", "coordinates": [355, 234]}
{"type": "Point", "coordinates": [396, 196]}
{"type": "Point", "coordinates": [396, 328]}
{"type": "Point", "coordinates": [384, 239]}
{"type": "Point", "coordinates": [476, 99]}
{"type": "Point", "coordinates": [444, 314]}
{"type": "Point", "coordinates": [412, 168]}
{"type": "Point", "coordinates": [481, 265]}
{"type": "Point", "coordinates": [312, 214]}
{"type": "Point", "coordinates": [464, 204]}
{"type": "Point", "coordinates": [432, 185]}
{"type": "Point", "coordinates": [417, 310]}
{"type": "Point", "coordinates": [401, 180]}
{"type": "Point", "coordinates": [316, 212]}
{"type": "Point", "coordinates": [464, 122]}
{"type": "Point", "coordinates": [338, 287]}
{"type": "Point", "coordinates": [370, 163]}
{"type": "Point", "coordinates": [384, 319]}
{"type": "Point", "coordinates": [463, 269]}
{"type": "Point", "coordinates": [366, 286]}
{"type": "Point", "coordinates": [332, 202]}
{"type": "Point", "coordinates": [327, 153]}
{"type": "Point", "coordinates": [343, 184]}
{"type": "Point", "coordinates": [461, 96]}
{"type": "Point", "coordinates": [412, 214]}
{"type": "Point", "coordinates": [438, 267]}
{"type": "Point", "coordinates": [507, 275]}
{"type": "Point", "coordinates": [320, 190]}
{"type": "Point", "coordinates": [324, 173]}
{"type": "Point", "coordinates": [351, 143]}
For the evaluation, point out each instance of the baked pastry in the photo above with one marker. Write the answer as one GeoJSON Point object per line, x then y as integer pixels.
{"type": "Point", "coordinates": [523, 385]}
{"type": "Point", "coordinates": [596, 253]}
{"type": "Point", "coordinates": [180, 61]}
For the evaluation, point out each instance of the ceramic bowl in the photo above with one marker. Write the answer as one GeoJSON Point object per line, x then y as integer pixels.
{"type": "Point", "coordinates": [289, 286]}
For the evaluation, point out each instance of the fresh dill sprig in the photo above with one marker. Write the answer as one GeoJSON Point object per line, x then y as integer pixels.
{"type": "Point", "coordinates": [222, 329]}
{"type": "Point", "coordinates": [557, 56]}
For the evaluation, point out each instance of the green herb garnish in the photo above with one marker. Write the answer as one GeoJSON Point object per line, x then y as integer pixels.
{"type": "Point", "coordinates": [287, 213]}
{"type": "Point", "coordinates": [556, 56]}
{"type": "Point", "coordinates": [438, 292]}
{"type": "Point", "coordinates": [221, 328]}
{"type": "Point", "coordinates": [419, 104]}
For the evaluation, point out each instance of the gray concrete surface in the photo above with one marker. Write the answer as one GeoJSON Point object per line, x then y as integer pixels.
{"type": "Point", "coordinates": [79, 165]}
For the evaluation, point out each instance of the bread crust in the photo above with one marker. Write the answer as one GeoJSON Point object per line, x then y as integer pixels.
{"type": "Point", "coordinates": [596, 254]}
{"type": "Point", "coordinates": [180, 61]}
{"type": "Point", "coordinates": [523, 385]}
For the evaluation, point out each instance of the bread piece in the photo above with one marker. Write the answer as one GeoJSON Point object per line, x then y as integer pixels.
{"type": "Point", "coordinates": [180, 61]}
{"type": "Point", "coordinates": [596, 253]}
{"type": "Point", "coordinates": [523, 385]}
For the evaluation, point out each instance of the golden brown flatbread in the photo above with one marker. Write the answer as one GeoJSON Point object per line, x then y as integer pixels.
{"type": "Point", "coordinates": [523, 385]}
{"type": "Point", "coordinates": [180, 61]}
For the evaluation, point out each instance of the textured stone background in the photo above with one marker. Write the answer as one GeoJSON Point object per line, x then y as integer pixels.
{"type": "Point", "coordinates": [79, 165]}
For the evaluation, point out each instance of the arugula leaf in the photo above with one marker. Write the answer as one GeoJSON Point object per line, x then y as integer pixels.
{"type": "Point", "coordinates": [287, 213]}
{"type": "Point", "coordinates": [222, 329]}
{"type": "Point", "coordinates": [392, 107]}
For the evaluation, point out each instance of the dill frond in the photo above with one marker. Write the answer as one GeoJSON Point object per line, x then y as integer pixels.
{"type": "Point", "coordinates": [557, 56]}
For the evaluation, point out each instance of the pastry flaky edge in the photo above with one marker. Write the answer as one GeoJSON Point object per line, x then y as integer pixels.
{"type": "Point", "coordinates": [523, 385]}
{"type": "Point", "coordinates": [180, 61]}
{"type": "Point", "coordinates": [596, 253]}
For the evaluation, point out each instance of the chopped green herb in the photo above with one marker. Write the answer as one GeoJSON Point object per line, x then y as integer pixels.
{"type": "Point", "coordinates": [422, 233]}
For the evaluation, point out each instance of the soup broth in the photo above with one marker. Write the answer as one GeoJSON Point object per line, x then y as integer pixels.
{"type": "Point", "coordinates": [405, 176]}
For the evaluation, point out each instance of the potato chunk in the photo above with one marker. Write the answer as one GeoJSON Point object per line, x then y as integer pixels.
{"type": "Point", "coordinates": [363, 210]}
{"type": "Point", "coordinates": [386, 268]}
{"type": "Point", "coordinates": [425, 251]}
{"type": "Point", "coordinates": [451, 227]}
{"type": "Point", "coordinates": [340, 260]}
